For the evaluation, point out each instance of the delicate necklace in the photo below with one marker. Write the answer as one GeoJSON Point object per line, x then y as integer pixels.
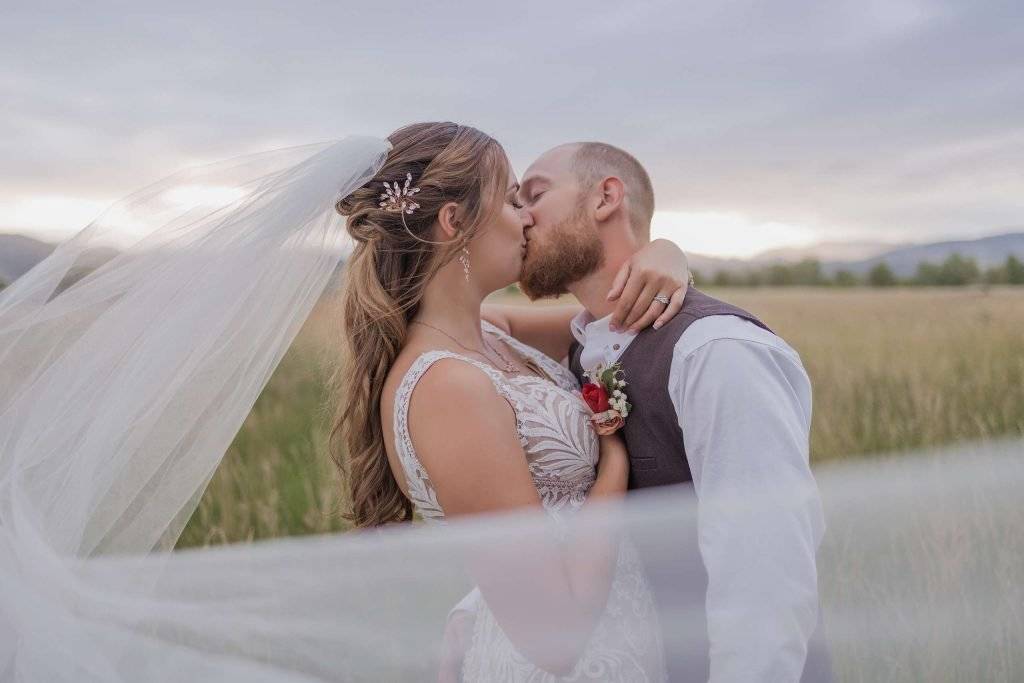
{"type": "Point", "coordinates": [509, 367]}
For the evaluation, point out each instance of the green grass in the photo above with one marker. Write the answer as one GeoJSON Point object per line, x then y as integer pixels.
{"type": "Point", "coordinates": [276, 479]}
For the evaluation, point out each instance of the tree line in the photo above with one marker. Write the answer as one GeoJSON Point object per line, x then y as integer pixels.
{"type": "Point", "coordinates": [954, 271]}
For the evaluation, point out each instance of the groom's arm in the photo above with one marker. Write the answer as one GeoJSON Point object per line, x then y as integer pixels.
{"type": "Point", "coordinates": [744, 405]}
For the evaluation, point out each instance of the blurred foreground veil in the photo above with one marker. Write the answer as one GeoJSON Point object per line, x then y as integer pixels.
{"type": "Point", "coordinates": [121, 390]}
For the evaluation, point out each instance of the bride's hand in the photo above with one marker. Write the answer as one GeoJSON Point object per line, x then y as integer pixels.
{"type": "Point", "coordinates": [660, 267]}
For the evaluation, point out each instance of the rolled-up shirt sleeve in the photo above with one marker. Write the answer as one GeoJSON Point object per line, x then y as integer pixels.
{"type": "Point", "coordinates": [744, 407]}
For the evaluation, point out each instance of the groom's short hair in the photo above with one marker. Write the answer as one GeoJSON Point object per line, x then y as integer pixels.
{"type": "Point", "coordinates": [594, 161]}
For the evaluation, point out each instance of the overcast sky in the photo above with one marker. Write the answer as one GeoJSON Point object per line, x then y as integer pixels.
{"type": "Point", "coordinates": [762, 124]}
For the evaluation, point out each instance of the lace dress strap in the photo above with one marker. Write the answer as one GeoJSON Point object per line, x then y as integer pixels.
{"type": "Point", "coordinates": [558, 372]}
{"type": "Point", "coordinates": [421, 490]}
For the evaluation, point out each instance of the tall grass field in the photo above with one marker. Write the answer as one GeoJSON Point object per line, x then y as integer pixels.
{"type": "Point", "coordinates": [892, 370]}
{"type": "Point", "coordinates": [922, 584]}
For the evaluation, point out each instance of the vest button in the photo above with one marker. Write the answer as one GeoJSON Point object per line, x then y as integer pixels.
{"type": "Point", "coordinates": [615, 347]}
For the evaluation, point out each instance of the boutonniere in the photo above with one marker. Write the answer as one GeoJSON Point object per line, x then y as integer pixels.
{"type": "Point", "coordinates": [605, 393]}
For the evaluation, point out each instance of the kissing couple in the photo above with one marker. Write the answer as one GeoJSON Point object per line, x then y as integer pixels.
{"type": "Point", "coordinates": [459, 407]}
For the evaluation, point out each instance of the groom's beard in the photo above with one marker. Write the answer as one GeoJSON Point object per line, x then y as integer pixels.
{"type": "Point", "coordinates": [571, 252]}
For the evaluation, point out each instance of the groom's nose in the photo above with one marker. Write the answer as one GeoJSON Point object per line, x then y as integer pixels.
{"type": "Point", "coordinates": [527, 218]}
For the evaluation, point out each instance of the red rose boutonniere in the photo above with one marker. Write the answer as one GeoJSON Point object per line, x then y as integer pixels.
{"type": "Point", "coordinates": [605, 394]}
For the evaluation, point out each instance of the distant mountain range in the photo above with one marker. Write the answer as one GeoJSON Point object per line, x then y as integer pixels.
{"type": "Point", "coordinates": [828, 252]}
{"type": "Point", "coordinates": [19, 253]}
{"type": "Point", "coordinates": [987, 251]}
{"type": "Point", "coordinates": [860, 257]}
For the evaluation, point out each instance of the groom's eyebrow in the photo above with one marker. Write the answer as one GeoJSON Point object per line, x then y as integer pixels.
{"type": "Point", "coordinates": [529, 182]}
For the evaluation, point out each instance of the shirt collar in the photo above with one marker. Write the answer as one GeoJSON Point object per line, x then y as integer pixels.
{"type": "Point", "coordinates": [578, 325]}
{"type": "Point", "coordinates": [596, 334]}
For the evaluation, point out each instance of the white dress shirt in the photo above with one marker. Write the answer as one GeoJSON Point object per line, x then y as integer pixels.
{"type": "Point", "coordinates": [743, 402]}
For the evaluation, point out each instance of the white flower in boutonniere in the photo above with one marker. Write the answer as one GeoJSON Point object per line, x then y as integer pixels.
{"type": "Point", "coordinates": [606, 396]}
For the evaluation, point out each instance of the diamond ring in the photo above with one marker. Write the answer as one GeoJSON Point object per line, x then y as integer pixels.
{"type": "Point", "coordinates": [662, 299]}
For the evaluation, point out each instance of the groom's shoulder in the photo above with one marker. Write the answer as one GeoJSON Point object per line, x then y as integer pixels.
{"type": "Point", "coordinates": [713, 320]}
{"type": "Point", "coordinates": [727, 327]}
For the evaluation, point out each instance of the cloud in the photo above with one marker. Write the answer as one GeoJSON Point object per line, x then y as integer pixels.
{"type": "Point", "coordinates": [888, 118]}
{"type": "Point", "coordinates": [727, 234]}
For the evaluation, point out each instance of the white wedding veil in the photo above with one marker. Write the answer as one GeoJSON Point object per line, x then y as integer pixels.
{"type": "Point", "coordinates": [121, 392]}
{"type": "Point", "coordinates": [129, 359]}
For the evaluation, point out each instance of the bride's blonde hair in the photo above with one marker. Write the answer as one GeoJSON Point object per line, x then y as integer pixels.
{"type": "Point", "coordinates": [394, 258]}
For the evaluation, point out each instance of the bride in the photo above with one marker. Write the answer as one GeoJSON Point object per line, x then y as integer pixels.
{"type": "Point", "coordinates": [130, 357]}
{"type": "Point", "coordinates": [450, 415]}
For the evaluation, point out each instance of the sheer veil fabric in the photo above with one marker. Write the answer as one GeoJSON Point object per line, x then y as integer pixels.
{"type": "Point", "coordinates": [120, 392]}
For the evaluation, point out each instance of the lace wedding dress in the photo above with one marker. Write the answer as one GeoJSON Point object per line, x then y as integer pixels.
{"type": "Point", "coordinates": [562, 453]}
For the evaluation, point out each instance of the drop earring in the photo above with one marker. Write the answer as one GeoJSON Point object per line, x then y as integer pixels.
{"type": "Point", "coordinates": [464, 260]}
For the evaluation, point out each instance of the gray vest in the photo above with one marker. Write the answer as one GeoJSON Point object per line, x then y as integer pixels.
{"type": "Point", "coordinates": [656, 452]}
{"type": "Point", "coordinates": [657, 457]}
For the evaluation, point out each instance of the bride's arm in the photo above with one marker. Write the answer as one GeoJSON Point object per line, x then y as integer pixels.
{"type": "Point", "coordinates": [545, 328]}
{"type": "Point", "coordinates": [591, 582]}
{"type": "Point", "coordinates": [599, 549]}
{"type": "Point", "coordinates": [547, 595]}
{"type": "Point", "coordinates": [612, 470]}
{"type": "Point", "coordinates": [659, 267]}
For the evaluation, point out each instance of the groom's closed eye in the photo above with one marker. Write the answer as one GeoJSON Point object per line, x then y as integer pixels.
{"type": "Point", "coordinates": [532, 194]}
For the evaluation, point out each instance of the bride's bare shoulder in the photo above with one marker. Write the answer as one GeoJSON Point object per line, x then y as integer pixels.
{"type": "Point", "coordinates": [445, 377]}
{"type": "Point", "coordinates": [464, 435]}
{"type": "Point", "coordinates": [446, 381]}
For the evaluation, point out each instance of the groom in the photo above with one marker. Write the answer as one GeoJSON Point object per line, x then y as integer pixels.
{"type": "Point", "coordinates": [719, 402]}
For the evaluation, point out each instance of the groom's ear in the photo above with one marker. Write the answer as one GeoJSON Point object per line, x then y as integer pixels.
{"type": "Point", "coordinates": [612, 195]}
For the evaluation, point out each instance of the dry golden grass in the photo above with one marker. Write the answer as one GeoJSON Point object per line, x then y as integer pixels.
{"type": "Point", "coordinates": [891, 370]}
{"type": "Point", "coordinates": [904, 368]}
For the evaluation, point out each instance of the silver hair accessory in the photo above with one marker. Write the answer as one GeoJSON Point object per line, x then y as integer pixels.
{"type": "Point", "coordinates": [464, 260]}
{"type": "Point", "coordinates": [397, 199]}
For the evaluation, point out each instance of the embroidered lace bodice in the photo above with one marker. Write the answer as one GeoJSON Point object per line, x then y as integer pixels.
{"type": "Point", "coordinates": [562, 451]}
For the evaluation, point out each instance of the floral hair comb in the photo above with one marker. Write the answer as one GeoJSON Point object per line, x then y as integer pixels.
{"type": "Point", "coordinates": [397, 199]}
